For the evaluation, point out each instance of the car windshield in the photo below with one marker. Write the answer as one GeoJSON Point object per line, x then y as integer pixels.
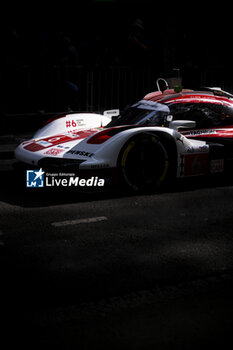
{"type": "Point", "coordinates": [143, 113]}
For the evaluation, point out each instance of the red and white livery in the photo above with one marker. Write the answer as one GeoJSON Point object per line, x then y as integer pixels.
{"type": "Point", "coordinates": [168, 134]}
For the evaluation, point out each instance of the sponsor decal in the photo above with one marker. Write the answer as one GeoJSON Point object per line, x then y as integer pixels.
{"type": "Point", "coordinates": [204, 148]}
{"type": "Point", "coordinates": [63, 147]}
{"type": "Point", "coordinates": [43, 143]}
{"type": "Point", "coordinates": [74, 123]}
{"type": "Point", "coordinates": [54, 151]}
{"type": "Point", "coordinates": [38, 178]}
{"type": "Point", "coordinates": [217, 166]}
{"type": "Point", "coordinates": [201, 132]}
{"type": "Point", "coordinates": [81, 153]}
{"type": "Point", "coordinates": [38, 145]}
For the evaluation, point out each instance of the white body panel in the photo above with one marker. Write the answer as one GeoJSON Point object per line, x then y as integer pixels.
{"type": "Point", "coordinates": [62, 138]}
{"type": "Point", "coordinates": [72, 122]}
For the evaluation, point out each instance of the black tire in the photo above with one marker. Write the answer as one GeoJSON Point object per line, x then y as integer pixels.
{"type": "Point", "coordinates": [143, 163]}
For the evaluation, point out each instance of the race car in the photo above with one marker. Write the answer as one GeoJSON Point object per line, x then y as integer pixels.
{"type": "Point", "coordinates": [169, 134]}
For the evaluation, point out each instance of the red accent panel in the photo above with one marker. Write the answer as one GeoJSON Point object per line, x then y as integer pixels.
{"type": "Point", "coordinates": [47, 142]}
{"type": "Point", "coordinates": [196, 164]}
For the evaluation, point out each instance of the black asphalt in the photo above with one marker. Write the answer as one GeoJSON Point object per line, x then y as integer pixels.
{"type": "Point", "coordinates": [142, 272]}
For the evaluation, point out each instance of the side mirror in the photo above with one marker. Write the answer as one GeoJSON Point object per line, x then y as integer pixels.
{"type": "Point", "coordinates": [184, 124]}
{"type": "Point", "coordinates": [112, 113]}
{"type": "Point", "coordinates": [169, 118]}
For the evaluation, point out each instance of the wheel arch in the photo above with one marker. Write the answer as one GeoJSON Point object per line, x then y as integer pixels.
{"type": "Point", "coordinates": [168, 143]}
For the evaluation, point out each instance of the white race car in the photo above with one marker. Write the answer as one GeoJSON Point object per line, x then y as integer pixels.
{"type": "Point", "coordinates": [143, 147]}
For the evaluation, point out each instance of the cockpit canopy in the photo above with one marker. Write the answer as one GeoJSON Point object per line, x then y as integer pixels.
{"type": "Point", "coordinates": [143, 113]}
{"type": "Point", "coordinates": [150, 113]}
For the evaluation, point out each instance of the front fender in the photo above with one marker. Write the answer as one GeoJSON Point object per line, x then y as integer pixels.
{"type": "Point", "coordinates": [108, 151]}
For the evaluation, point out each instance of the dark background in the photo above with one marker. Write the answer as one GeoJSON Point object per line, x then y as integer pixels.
{"type": "Point", "coordinates": [158, 272]}
{"type": "Point", "coordinates": [79, 55]}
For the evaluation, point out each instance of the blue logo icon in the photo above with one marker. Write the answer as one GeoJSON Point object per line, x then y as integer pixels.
{"type": "Point", "coordinates": [35, 178]}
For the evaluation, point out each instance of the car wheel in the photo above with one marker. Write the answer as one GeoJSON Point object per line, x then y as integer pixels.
{"type": "Point", "coordinates": [143, 163]}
